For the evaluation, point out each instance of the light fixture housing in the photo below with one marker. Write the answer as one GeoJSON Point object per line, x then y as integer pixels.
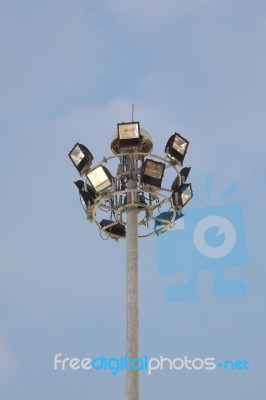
{"type": "Point", "coordinates": [114, 228]}
{"type": "Point", "coordinates": [128, 134]}
{"type": "Point", "coordinates": [81, 157]}
{"type": "Point", "coordinates": [152, 172]}
{"type": "Point", "coordinates": [184, 173]}
{"type": "Point", "coordinates": [182, 195]}
{"type": "Point", "coordinates": [145, 146]}
{"type": "Point", "coordinates": [176, 148]}
{"type": "Point", "coordinates": [181, 177]}
{"type": "Point", "coordinates": [87, 194]}
{"type": "Point", "coordinates": [166, 217]}
{"type": "Point", "coordinates": [100, 178]}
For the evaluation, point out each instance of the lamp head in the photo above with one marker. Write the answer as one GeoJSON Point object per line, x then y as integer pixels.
{"type": "Point", "coordinates": [176, 148]}
{"type": "Point", "coordinates": [182, 195]}
{"type": "Point", "coordinates": [152, 172]}
{"type": "Point", "coordinates": [128, 135]}
{"type": "Point", "coordinates": [81, 157]}
{"type": "Point", "coordinates": [145, 145]}
{"type": "Point", "coordinates": [100, 178]}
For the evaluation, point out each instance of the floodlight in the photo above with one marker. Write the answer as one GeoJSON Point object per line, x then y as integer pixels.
{"type": "Point", "coordinates": [166, 217]}
{"type": "Point", "coordinates": [182, 195]}
{"type": "Point", "coordinates": [176, 148]}
{"type": "Point", "coordinates": [81, 157]}
{"type": "Point", "coordinates": [184, 173]}
{"type": "Point", "coordinates": [128, 134]}
{"type": "Point", "coordinates": [145, 145]}
{"type": "Point", "coordinates": [87, 194]}
{"type": "Point", "coordinates": [181, 177]}
{"type": "Point", "coordinates": [100, 178]}
{"type": "Point", "coordinates": [152, 173]}
{"type": "Point", "coordinates": [113, 228]}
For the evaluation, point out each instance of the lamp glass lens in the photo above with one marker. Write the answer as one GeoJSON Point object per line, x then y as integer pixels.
{"type": "Point", "coordinates": [154, 169]}
{"type": "Point", "coordinates": [99, 179]}
{"type": "Point", "coordinates": [186, 195]}
{"type": "Point", "coordinates": [128, 131]}
{"type": "Point", "coordinates": [77, 155]}
{"type": "Point", "coordinates": [180, 145]}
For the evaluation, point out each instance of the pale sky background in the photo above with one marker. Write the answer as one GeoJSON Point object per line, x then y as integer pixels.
{"type": "Point", "coordinates": [70, 71]}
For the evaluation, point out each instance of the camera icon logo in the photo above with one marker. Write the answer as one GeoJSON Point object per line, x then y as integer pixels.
{"type": "Point", "coordinates": [206, 238]}
{"type": "Point", "coordinates": [223, 227]}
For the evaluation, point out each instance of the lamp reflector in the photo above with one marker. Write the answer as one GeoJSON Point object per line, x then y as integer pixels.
{"type": "Point", "coordinates": [100, 178]}
{"type": "Point", "coordinates": [76, 155]}
{"type": "Point", "coordinates": [186, 194]}
{"type": "Point", "coordinates": [180, 144]}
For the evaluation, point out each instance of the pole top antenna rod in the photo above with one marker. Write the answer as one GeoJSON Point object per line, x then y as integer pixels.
{"type": "Point", "coordinates": [133, 105]}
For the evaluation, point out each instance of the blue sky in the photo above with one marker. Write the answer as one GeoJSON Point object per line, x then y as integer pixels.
{"type": "Point", "coordinates": [69, 72]}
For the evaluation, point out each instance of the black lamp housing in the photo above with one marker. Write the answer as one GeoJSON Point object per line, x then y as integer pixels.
{"type": "Point", "coordinates": [128, 134]}
{"type": "Point", "coordinates": [182, 195]}
{"type": "Point", "coordinates": [87, 194]}
{"type": "Point", "coordinates": [81, 157]}
{"type": "Point", "coordinates": [181, 177]}
{"type": "Point", "coordinates": [152, 172]}
{"type": "Point", "coordinates": [176, 148]}
{"type": "Point", "coordinates": [114, 228]}
{"type": "Point", "coordinates": [184, 173]}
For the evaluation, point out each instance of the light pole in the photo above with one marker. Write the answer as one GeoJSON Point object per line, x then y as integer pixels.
{"type": "Point", "coordinates": [132, 339]}
{"type": "Point", "coordinates": [132, 197]}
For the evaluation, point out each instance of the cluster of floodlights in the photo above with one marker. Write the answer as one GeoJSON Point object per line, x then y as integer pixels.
{"type": "Point", "coordinates": [134, 143]}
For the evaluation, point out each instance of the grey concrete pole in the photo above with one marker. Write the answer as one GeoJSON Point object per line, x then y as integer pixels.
{"type": "Point", "coordinates": [132, 376]}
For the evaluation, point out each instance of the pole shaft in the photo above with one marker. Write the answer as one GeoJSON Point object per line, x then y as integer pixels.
{"type": "Point", "coordinates": [132, 350]}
